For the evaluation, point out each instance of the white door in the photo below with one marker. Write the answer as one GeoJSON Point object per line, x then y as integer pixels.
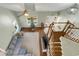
{"type": "Point", "coordinates": [31, 42]}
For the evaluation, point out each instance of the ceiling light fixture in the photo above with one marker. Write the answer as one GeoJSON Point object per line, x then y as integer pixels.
{"type": "Point", "coordinates": [74, 9]}
{"type": "Point", "coordinates": [26, 14]}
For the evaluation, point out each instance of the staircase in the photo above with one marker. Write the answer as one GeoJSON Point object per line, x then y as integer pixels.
{"type": "Point", "coordinates": [55, 49]}
{"type": "Point", "coordinates": [71, 38]}
{"type": "Point", "coordinates": [72, 32]}
{"type": "Point", "coordinates": [12, 45]}
{"type": "Point", "coordinates": [54, 42]}
{"type": "Point", "coordinates": [54, 37]}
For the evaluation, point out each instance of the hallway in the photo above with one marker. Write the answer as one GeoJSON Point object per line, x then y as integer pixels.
{"type": "Point", "coordinates": [39, 29]}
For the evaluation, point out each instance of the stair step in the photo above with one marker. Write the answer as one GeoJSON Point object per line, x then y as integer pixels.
{"type": "Point", "coordinates": [55, 46]}
{"type": "Point", "coordinates": [56, 50]}
{"type": "Point", "coordinates": [57, 54]}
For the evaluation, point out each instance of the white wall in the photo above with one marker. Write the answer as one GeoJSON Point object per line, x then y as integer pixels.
{"type": "Point", "coordinates": [6, 27]}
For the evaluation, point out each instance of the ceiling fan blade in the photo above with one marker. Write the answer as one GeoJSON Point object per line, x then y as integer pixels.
{"type": "Point", "coordinates": [25, 11]}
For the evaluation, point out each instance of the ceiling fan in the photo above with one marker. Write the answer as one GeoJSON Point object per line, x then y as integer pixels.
{"type": "Point", "coordinates": [26, 14]}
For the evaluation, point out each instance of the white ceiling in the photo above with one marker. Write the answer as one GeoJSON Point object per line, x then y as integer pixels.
{"type": "Point", "coordinates": [37, 6]}
{"type": "Point", "coordinates": [52, 6]}
{"type": "Point", "coordinates": [18, 7]}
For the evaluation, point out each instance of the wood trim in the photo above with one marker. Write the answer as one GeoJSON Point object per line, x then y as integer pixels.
{"type": "Point", "coordinates": [28, 29]}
